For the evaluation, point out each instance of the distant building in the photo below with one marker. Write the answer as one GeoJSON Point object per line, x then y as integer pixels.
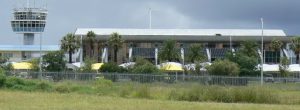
{"type": "Point", "coordinates": [19, 53]}
{"type": "Point", "coordinates": [146, 42]}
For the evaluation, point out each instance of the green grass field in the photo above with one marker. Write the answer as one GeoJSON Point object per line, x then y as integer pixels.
{"type": "Point", "coordinates": [12, 100]}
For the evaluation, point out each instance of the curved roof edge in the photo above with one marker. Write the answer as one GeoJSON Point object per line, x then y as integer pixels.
{"type": "Point", "coordinates": [185, 32]}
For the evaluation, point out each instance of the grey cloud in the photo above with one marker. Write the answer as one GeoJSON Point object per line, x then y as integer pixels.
{"type": "Point", "coordinates": [67, 15]}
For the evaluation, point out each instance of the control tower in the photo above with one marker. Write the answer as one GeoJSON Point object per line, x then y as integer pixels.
{"type": "Point", "coordinates": [29, 21]}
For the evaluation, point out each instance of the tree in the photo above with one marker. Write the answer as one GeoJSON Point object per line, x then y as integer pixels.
{"type": "Point", "coordinates": [91, 38]}
{"type": "Point", "coordinates": [284, 67]}
{"type": "Point", "coordinates": [54, 61]}
{"type": "Point", "coordinates": [115, 41]}
{"type": "Point", "coordinates": [70, 44]}
{"type": "Point", "coordinates": [247, 64]}
{"type": "Point", "coordinates": [4, 64]}
{"type": "Point", "coordinates": [295, 46]}
{"type": "Point", "coordinates": [249, 48]}
{"type": "Point", "coordinates": [195, 53]}
{"type": "Point", "coordinates": [3, 59]}
{"type": "Point", "coordinates": [35, 64]}
{"type": "Point", "coordinates": [276, 45]}
{"type": "Point", "coordinates": [224, 67]}
{"type": "Point", "coordinates": [169, 52]}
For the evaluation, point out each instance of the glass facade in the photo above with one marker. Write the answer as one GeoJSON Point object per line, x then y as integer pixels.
{"type": "Point", "coordinates": [28, 26]}
{"type": "Point", "coordinates": [144, 52]}
{"type": "Point", "coordinates": [272, 57]}
{"type": "Point", "coordinates": [29, 20]}
{"type": "Point", "coordinates": [217, 53]}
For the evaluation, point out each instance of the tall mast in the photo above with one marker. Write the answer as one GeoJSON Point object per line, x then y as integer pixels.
{"type": "Point", "coordinates": [27, 4]}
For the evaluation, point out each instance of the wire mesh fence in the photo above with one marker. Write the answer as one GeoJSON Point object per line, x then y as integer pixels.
{"type": "Point", "coordinates": [150, 78]}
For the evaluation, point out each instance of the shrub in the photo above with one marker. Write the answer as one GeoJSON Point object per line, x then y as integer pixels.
{"type": "Point", "coordinates": [20, 84]}
{"type": "Point", "coordinates": [144, 66]}
{"type": "Point", "coordinates": [12, 81]}
{"type": "Point", "coordinates": [147, 68]}
{"type": "Point", "coordinates": [224, 67]}
{"type": "Point", "coordinates": [63, 89]}
{"type": "Point", "coordinates": [44, 86]}
{"type": "Point", "coordinates": [111, 68]}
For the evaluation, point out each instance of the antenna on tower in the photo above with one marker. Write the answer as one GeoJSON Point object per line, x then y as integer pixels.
{"type": "Point", "coordinates": [34, 4]}
{"type": "Point", "coordinates": [46, 5]}
{"type": "Point", "coordinates": [27, 3]}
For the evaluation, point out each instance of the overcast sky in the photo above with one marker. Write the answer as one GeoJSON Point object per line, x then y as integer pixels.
{"type": "Point", "coordinates": [67, 15]}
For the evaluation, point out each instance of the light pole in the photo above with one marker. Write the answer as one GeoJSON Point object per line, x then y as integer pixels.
{"type": "Point", "coordinates": [230, 43]}
{"type": "Point", "coordinates": [150, 18]}
{"type": "Point", "coordinates": [81, 51]}
{"type": "Point", "coordinates": [262, 51]}
{"type": "Point", "coordinates": [41, 57]}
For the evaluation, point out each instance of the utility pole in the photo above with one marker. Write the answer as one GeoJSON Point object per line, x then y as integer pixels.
{"type": "Point", "coordinates": [262, 51]}
{"type": "Point", "coordinates": [41, 57]}
{"type": "Point", "coordinates": [27, 3]}
{"type": "Point", "coordinates": [150, 18]}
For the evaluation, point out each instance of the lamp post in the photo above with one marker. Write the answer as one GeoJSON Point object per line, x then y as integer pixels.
{"type": "Point", "coordinates": [150, 18]}
{"type": "Point", "coordinates": [41, 57]}
{"type": "Point", "coordinates": [230, 43]}
{"type": "Point", "coordinates": [262, 51]}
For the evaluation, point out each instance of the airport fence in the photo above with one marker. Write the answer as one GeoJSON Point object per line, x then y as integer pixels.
{"type": "Point", "coordinates": [151, 78]}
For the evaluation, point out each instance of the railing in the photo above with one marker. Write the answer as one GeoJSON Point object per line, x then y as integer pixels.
{"type": "Point", "coordinates": [150, 78]}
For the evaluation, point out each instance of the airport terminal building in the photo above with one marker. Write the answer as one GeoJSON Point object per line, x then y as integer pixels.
{"type": "Point", "coordinates": [146, 42]}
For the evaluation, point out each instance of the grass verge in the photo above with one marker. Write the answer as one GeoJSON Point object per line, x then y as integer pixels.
{"type": "Point", "coordinates": [16, 100]}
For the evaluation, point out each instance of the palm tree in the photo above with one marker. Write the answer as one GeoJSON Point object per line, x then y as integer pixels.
{"type": "Point", "coordinates": [90, 38]}
{"type": "Point", "coordinates": [169, 52]}
{"type": "Point", "coordinates": [249, 48]}
{"type": "Point", "coordinates": [295, 46]}
{"type": "Point", "coordinates": [276, 45]}
{"type": "Point", "coordinates": [70, 44]}
{"type": "Point", "coordinates": [115, 41]}
{"type": "Point", "coordinates": [195, 53]}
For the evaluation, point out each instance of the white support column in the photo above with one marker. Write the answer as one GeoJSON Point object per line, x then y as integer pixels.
{"type": "Point", "coordinates": [106, 55]}
{"type": "Point", "coordinates": [208, 55]}
{"type": "Point", "coordinates": [130, 54]}
{"type": "Point", "coordinates": [182, 55]}
{"type": "Point", "coordinates": [81, 51]}
{"type": "Point", "coordinates": [104, 58]}
{"type": "Point", "coordinates": [103, 55]}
